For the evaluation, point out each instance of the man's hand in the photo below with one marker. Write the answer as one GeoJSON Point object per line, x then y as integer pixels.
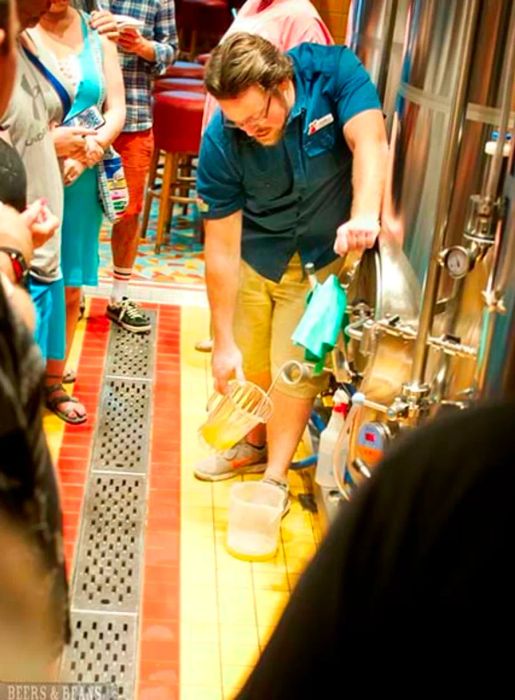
{"type": "Point", "coordinates": [131, 41]}
{"type": "Point", "coordinates": [41, 222]}
{"type": "Point", "coordinates": [105, 24]}
{"type": "Point", "coordinates": [69, 141]}
{"type": "Point", "coordinates": [226, 364]}
{"type": "Point", "coordinates": [72, 170]}
{"type": "Point", "coordinates": [358, 233]}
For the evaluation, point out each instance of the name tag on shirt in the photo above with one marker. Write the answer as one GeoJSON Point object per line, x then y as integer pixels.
{"type": "Point", "coordinates": [318, 124]}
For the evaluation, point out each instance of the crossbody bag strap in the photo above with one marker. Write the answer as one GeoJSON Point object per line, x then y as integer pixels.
{"type": "Point", "coordinates": [61, 91]}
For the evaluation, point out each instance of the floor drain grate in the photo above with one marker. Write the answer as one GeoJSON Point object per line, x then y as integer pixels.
{"type": "Point", "coordinates": [122, 436]}
{"type": "Point", "coordinates": [131, 354]}
{"type": "Point", "coordinates": [107, 571]}
{"type": "Point", "coordinates": [103, 650]}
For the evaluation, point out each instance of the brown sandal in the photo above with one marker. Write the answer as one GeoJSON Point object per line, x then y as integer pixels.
{"type": "Point", "coordinates": [54, 402]}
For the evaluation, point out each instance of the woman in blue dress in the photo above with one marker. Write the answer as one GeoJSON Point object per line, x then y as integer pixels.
{"type": "Point", "coordinates": [90, 64]}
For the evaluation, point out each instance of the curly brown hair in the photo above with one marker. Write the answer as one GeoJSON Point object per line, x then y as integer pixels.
{"type": "Point", "coordinates": [243, 60]}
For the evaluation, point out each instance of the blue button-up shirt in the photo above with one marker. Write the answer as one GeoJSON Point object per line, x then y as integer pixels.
{"type": "Point", "coordinates": [294, 195]}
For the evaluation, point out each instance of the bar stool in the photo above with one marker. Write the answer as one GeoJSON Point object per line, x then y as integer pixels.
{"type": "Point", "coordinates": [207, 17]}
{"type": "Point", "coordinates": [181, 84]}
{"type": "Point", "coordinates": [177, 131]}
{"type": "Point", "coordinates": [184, 69]}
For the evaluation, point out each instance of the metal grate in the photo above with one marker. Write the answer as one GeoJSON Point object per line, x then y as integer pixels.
{"type": "Point", "coordinates": [107, 570]}
{"type": "Point", "coordinates": [131, 354]}
{"type": "Point", "coordinates": [122, 437]}
{"type": "Point", "coordinates": [103, 650]}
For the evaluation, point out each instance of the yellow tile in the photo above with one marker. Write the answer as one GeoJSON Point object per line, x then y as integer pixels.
{"type": "Point", "coordinates": [225, 561]}
{"type": "Point", "coordinates": [265, 632]}
{"type": "Point", "coordinates": [198, 562]}
{"type": "Point", "coordinates": [229, 597]}
{"type": "Point", "coordinates": [271, 581]}
{"type": "Point", "coordinates": [238, 653]}
{"type": "Point", "coordinates": [200, 692]}
{"type": "Point", "coordinates": [201, 595]}
{"type": "Point", "coordinates": [195, 651]}
{"type": "Point", "coordinates": [233, 678]}
{"type": "Point", "coordinates": [191, 577]}
{"type": "Point", "coordinates": [207, 674]}
{"type": "Point", "coordinates": [200, 632]}
{"type": "Point", "coordinates": [197, 513]}
{"type": "Point", "coordinates": [275, 565]}
{"type": "Point", "coordinates": [269, 606]}
{"type": "Point", "coordinates": [197, 497]}
{"type": "Point", "coordinates": [234, 579]}
{"type": "Point", "coordinates": [298, 557]}
{"type": "Point", "coordinates": [237, 614]}
{"type": "Point", "coordinates": [238, 634]}
{"type": "Point", "coordinates": [222, 493]}
{"type": "Point", "coordinates": [293, 580]}
{"type": "Point", "coordinates": [192, 614]}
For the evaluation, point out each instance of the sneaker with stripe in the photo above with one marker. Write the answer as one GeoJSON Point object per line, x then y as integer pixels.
{"type": "Point", "coordinates": [243, 458]}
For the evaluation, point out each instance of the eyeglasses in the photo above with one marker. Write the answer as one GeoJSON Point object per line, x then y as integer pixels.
{"type": "Point", "coordinates": [253, 121]}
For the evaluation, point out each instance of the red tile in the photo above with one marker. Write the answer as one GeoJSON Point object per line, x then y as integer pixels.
{"type": "Point", "coordinates": [160, 630]}
{"type": "Point", "coordinates": [164, 608]}
{"type": "Point", "coordinates": [158, 691]}
{"type": "Point", "coordinates": [167, 513]}
{"type": "Point", "coordinates": [162, 556]}
{"type": "Point", "coordinates": [159, 572]}
{"type": "Point", "coordinates": [152, 671]}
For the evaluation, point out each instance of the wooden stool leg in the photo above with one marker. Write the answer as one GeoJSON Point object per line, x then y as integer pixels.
{"type": "Point", "coordinates": [164, 199]}
{"type": "Point", "coordinates": [151, 183]}
{"type": "Point", "coordinates": [193, 44]}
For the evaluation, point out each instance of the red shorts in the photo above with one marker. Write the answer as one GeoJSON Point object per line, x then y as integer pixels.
{"type": "Point", "coordinates": [135, 148]}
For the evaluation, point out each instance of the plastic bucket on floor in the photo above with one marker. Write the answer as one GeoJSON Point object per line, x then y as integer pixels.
{"type": "Point", "coordinates": [255, 512]}
{"type": "Point", "coordinates": [233, 415]}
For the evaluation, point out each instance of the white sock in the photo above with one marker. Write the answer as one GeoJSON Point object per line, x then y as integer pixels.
{"type": "Point", "coordinates": [121, 279]}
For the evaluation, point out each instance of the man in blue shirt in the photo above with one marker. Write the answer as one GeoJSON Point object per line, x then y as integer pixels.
{"type": "Point", "coordinates": [290, 171]}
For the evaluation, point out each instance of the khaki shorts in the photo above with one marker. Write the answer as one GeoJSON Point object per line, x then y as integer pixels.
{"type": "Point", "coordinates": [266, 315]}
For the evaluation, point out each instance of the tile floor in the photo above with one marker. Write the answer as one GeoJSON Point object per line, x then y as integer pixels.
{"type": "Point", "coordinates": [206, 615]}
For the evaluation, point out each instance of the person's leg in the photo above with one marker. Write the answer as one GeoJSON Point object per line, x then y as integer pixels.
{"type": "Point", "coordinates": [292, 404]}
{"type": "Point", "coordinates": [73, 300]}
{"type": "Point", "coordinates": [57, 399]}
{"type": "Point", "coordinates": [252, 325]}
{"type": "Point", "coordinates": [135, 150]}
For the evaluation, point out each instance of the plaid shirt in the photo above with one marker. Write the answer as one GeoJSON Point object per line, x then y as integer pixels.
{"type": "Point", "coordinates": [159, 26]}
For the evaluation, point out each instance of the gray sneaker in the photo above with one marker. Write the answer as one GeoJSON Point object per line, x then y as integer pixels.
{"type": "Point", "coordinates": [240, 459]}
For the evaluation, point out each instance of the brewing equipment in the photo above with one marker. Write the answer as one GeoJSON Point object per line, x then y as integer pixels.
{"type": "Point", "coordinates": [448, 206]}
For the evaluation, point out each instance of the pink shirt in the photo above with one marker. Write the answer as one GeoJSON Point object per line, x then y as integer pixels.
{"type": "Point", "coordinates": [285, 23]}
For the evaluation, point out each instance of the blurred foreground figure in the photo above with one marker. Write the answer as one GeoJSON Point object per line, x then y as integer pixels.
{"type": "Point", "coordinates": [412, 590]}
{"type": "Point", "coordinates": [27, 627]}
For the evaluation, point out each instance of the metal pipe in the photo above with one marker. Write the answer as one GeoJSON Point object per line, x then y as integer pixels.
{"type": "Point", "coordinates": [387, 50]}
{"type": "Point", "coordinates": [496, 281]}
{"type": "Point", "coordinates": [449, 168]}
{"type": "Point", "coordinates": [506, 93]}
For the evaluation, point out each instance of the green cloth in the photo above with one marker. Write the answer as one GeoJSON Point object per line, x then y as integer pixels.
{"type": "Point", "coordinates": [322, 321]}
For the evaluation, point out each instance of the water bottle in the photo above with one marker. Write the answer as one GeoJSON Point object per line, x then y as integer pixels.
{"type": "Point", "coordinates": [324, 472]}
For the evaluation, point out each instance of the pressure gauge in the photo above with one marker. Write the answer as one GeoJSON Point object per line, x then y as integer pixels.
{"type": "Point", "coordinates": [457, 261]}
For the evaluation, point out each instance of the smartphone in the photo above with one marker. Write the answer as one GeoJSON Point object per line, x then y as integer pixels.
{"type": "Point", "coordinates": [89, 118]}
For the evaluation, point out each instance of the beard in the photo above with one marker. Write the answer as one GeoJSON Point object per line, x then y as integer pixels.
{"type": "Point", "coordinates": [269, 137]}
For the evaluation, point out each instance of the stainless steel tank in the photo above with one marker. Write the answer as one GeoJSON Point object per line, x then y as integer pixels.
{"type": "Point", "coordinates": [429, 73]}
{"type": "Point", "coordinates": [456, 60]}
{"type": "Point", "coordinates": [497, 370]}
{"type": "Point", "coordinates": [375, 32]}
